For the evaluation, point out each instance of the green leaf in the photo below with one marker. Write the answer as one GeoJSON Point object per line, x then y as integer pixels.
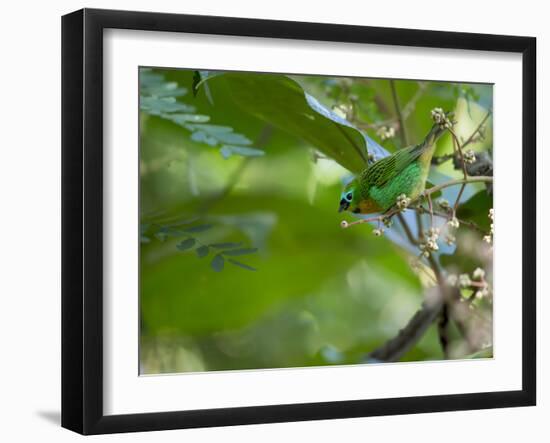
{"type": "Point", "coordinates": [198, 228]}
{"type": "Point", "coordinates": [229, 150]}
{"type": "Point", "coordinates": [224, 134]}
{"type": "Point", "coordinates": [199, 79]}
{"type": "Point", "coordinates": [203, 137]}
{"type": "Point", "coordinates": [168, 89]}
{"type": "Point", "coordinates": [233, 138]}
{"type": "Point", "coordinates": [196, 81]}
{"type": "Point", "coordinates": [143, 227]}
{"type": "Point", "coordinates": [226, 245]}
{"type": "Point", "coordinates": [483, 353]}
{"type": "Point", "coordinates": [459, 262]}
{"type": "Point", "coordinates": [241, 265]}
{"type": "Point", "coordinates": [282, 102]}
{"type": "Point", "coordinates": [187, 297]}
{"type": "Point", "coordinates": [202, 251]}
{"type": "Point", "coordinates": [243, 251]}
{"type": "Point", "coordinates": [217, 263]}
{"type": "Point", "coordinates": [186, 244]}
{"type": "Point", "coordinates": [182, 119]}
{"type": "Point", "coordinates": [148, 78]}
{"type": "Point", "coordinates": [476, 209]}
{"type": "Point", "coordinates": [161, 105]}
{"type": "Point", "coordinates": [161, 235]}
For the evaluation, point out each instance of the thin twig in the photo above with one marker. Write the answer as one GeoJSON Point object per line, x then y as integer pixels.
{"type": "Point", "coordinates": [406, 110]}
{"type": "Point", "coordinates": [407, 229]}
{"type": "Point", "coordinates": [467, 223]}
{"type": "Point", "coordinates": [411, 104]}
{"type": "Point", "coordinates": [458, 149]}
{"type": "Point", "coordinates": [480, 178]}
{"type": "Point", "coordinates": [377, 218]}
{"type": "Point", "coordinates": [470, 139]}
{"type": "Point", "coordinates": [443, 330]}
{"type": "Point", "coordinates": [412, 332]}
{"type": "Point", "coordinates": [402, 129]}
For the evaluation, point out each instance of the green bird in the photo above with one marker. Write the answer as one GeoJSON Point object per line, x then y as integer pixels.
{"type": "Point", "coordinates": [377, 188]}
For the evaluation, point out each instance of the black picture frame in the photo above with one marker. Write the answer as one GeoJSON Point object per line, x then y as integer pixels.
{"type": "Point", "coordinates": [82, 220]}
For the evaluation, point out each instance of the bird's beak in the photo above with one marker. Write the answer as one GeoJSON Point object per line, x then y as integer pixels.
{"type": "Point", "coordinates": [344, 205]}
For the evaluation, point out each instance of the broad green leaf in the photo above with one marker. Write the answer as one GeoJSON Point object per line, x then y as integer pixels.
{"type": "Point", "coordinates": [476, 209]}
{"type": "Point", "coordinates": [217, 263]}
{"type": "Point", "coordinates": [186, 244]}
{"type": "Point", "coordinates": [281, 101]}
{"type": "Point", "coordinates": [182, 294]}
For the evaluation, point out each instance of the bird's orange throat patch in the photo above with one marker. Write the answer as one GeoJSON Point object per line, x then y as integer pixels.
{"type": "Point", "coordinates": [369, 206]}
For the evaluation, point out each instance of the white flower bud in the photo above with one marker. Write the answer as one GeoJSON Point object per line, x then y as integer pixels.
{"type": "Point", "coordinates": [469, 156]}
{"type": "Point", "coordinates": [453, 223]}
{"type": "Point", "coordinates": [478, 274]}
{"type": "Point", "coordinates": [464, 280]}
{"type": "Point", "coordinates": [452, 279]}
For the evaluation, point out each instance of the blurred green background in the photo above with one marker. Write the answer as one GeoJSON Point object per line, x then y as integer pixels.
{"type": "Point", "coordinates": [243, 262]}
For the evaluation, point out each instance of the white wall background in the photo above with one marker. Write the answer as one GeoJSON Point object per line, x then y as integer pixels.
{"type": "Point", "coordinates": [30, 219]}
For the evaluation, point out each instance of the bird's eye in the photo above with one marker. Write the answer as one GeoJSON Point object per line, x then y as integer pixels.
{"type": "Point", "coordinates": [349, 196]}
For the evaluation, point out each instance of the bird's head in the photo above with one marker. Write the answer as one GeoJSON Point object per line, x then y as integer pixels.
{"type": "Point", "coordinates": [349, 199]}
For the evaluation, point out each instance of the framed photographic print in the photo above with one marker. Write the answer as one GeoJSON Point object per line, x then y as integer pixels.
{"type": "Point", "coordinates": [270, 221]}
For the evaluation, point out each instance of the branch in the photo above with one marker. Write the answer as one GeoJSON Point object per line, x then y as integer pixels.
{"type": "Point", "coordinates": [413, 331]}
{"type": "Point", "coordinates": [400, 118]}
{"type": "Point", "coordinates": [379, 218]}
{"type": "Point", "coordinates": [448, 216]}
{"type": "Point", "coordinates": [443, 330]}
{"type": "Point", "coordinates": [470, 139]}
{"type": "Point", "coordinates": [406, 110]}
{"type": "Point", "coordinates": [481, 178]}
{"type": "Point", "coordinates": [407, 229]}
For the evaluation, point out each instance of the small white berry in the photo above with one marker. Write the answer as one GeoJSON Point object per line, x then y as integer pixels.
{"type": "Point", "coordinates": [478, 274]}
{"type": "Point", "coordinates": [464, 280]}
{"type": "Point", "coordinates": [469, 156]}
{"type": "Point", "coordinates": [452, 279]}
{"type": "Point", "coordinates": [453, 223]}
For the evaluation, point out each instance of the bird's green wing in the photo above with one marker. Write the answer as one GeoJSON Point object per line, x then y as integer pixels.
{"type": "Point", "coordinates": [387, 168]}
